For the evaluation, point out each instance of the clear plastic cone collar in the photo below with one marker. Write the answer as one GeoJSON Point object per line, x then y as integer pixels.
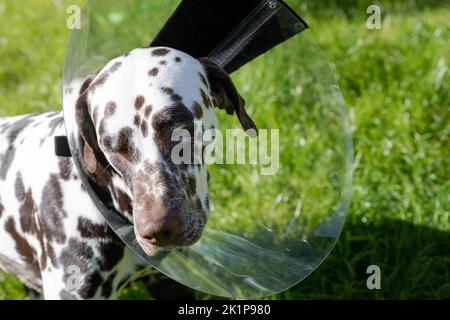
{"type": "Point", "coordinates": [273, 217]}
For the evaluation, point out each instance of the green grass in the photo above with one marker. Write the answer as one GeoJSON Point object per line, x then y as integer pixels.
{"type": "Point", "coordinates": [396, 84]}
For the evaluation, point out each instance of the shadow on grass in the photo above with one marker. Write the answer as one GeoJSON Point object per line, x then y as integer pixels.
{"type": "Point", "coordinates": [414, 262]}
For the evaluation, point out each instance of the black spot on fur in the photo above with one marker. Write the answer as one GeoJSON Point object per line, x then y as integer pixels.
{"type": "Point", "coordinates": [167, 90]}
{"type": "Point", "coordinates": [139, 102]}
{"type": "Point", "coordinates": [206, 100]}
{"type": "Point", "coordinates": [19, 188]}
{"type": "Point", "coordinates": [91, 230]}
{"type": "Point", "coordinates": [203, 79]}
{"type": "Point", "coordinates": [23, 248]}
{"type": "Point", "coordinates": [148, 111]}
{"type": "Point", "coordinates": [52, 212]}
{"type": "Point", "coordinates": [53, 125]}
{"type": "Point", "coordinates": [160, 52]}
{"type": "Point", "coordinates": [153, 72]}
{"type": "Point", "coordinates": [107, 143]}
{"type": "Point", "coordinates": [99, 82]}
{"type": "Point", "coordinates": [144, 128]}
{"type": "Point", "coordinates": [115, 67]}
{"type": "Point", "coordinates": [125, 145]}
{"type": "Point", "coordinates": [123, 200]}
{"type": "Point", "coordinates": [27, 218]}
{"type": "Point", "coordinates": [191, 185]}
{"type": "Point", "coordinates": [76, 251]}
{"type": "Point", "coordinates": [102, 127]}
{"type": "Point", "coordinates": [137, 120]}
{"type": "Point", "coordinates": [110, 109]}
{"type": "Point", "coordinates": [175, 97]}
{"type": "Point", "coordinates": [6, 161]}
{"type": "Point", "coordinates": [13, 132]}
{"type": "Point", "coordinates": [198, 111]}
{"type": "Point", "coordinates": [65, 168]}
{"type": "Point", "coordinates": [76, 254]}
{"type": "Point", "coordinates": [27, 207]}
{"type": "Point", "coordinates": [50, 252]}
{"type": "Point", "coordinates": [110, 253]}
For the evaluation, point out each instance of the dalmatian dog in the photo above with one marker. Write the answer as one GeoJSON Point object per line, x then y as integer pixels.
{"type": "Point", "coordinates": [52, 237]}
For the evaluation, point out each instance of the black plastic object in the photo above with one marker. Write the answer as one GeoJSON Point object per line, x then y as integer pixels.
{"type": "Point", "coordinates": [231, 32]}
{"type": "Point", "coordinates": [62, 148]}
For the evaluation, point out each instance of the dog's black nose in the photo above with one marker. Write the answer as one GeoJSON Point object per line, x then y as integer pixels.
{"type": "Point", "coordinates": [158, 227]}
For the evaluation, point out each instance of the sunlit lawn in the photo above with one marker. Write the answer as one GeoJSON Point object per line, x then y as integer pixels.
{"type": "Point", "coordinates": [396, 84]}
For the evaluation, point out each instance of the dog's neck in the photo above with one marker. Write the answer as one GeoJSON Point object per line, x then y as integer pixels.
{"type": "Point", "coordinates": [106, 182]}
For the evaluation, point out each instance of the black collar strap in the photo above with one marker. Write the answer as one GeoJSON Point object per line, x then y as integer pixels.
{"type": "Point", "coordinates": [62, 148]}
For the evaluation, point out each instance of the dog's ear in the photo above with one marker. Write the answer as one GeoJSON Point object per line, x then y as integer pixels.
{"type": "Point", "coordinates": [90, 150]}
{"type": "Point", "coordinates": [226, 96]}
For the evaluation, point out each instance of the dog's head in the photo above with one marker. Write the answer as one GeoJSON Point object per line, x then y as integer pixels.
{"type": "Point", "coordinates": [128, 114]}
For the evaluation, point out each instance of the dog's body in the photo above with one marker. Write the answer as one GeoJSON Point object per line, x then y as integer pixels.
{"type": "Point", "coordinates": [51, 234]}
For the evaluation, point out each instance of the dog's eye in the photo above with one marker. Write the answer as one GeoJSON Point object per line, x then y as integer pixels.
{"type": "Point", "coordinates": [173, 117]}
